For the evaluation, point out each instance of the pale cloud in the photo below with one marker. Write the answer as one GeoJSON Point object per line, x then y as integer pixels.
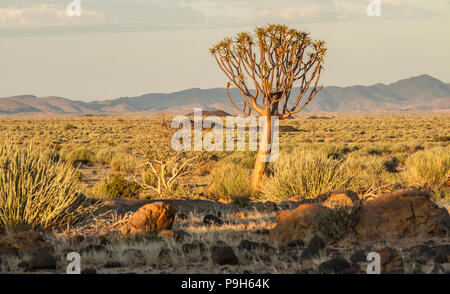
{"type": "Point", "coordinates": [292, 12]}
{"type": "Point", "coordinates": [220, 11]}
{"type": "Point", "coordinates": [44, 15]}
{"type": "Point", "coordinates": [49, 16]}
{"type": "Point", "coordinates": [392, 2]}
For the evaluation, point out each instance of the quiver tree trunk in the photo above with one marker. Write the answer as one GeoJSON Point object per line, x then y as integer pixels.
{"type": "Point", "coordinates": [263, 155]}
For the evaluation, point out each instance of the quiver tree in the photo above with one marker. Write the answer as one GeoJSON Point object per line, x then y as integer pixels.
{"type": "Point", "coordinates": [270, 61]}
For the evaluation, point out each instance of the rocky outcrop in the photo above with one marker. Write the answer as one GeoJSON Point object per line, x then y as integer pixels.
{"type": "Point", "coordinates": [299, 224]}
{"type": "Point", "coordinates": [405, 214]}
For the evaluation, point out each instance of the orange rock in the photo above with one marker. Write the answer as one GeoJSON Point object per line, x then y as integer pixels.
{"type": "Point", "coordinates": [341, 198]}
{"type": "Point", "coordinates": [297, 225]}
{"type": "Point", "coordinates": [154, 217]}
{"type": "Point", "coordinates": [338, 200]}
{"type": "Point", "coordinates": [26, 241]}
{"type": "Point", "coordinates": [403, 214]}
{"type": "Point", "coordinates": [282, 215]}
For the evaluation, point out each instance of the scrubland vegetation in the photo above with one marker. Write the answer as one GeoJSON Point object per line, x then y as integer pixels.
{"type": "Point", "coordinates": [50, 168]}
{"type": "Point", "coordinates": [368, 154]}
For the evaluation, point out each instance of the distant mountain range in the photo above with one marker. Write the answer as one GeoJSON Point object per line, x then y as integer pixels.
{"type": "Point", "coordinates": [416, 94]}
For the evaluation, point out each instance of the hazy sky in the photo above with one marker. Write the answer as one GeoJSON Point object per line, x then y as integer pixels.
{"type": "Point", "coordinates": [131, 47]}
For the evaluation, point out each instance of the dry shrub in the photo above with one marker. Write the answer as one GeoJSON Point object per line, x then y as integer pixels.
{"type": "Point", "coordinates": [122, 162]}
{"type": "Point", "coordinates": [366, 172]}
{"type": "Point", "coordinates": [229, 181]}
{"type": "Point", "coordinates": [428, 166]}
{"type": "Point", "coordinates": [104, 155]}
{"type": "Point", "coordinates": [37, 193]}
{"type": "Point", "coordinates": [305, 173]}
{"type": "Point", "coordinates": [81, 155]}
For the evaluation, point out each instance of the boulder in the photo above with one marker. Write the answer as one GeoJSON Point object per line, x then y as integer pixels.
{"type": "Point", "coordinates": [23, 241]}
{"type": "Point", "coordinates": [335, 265]}
{"type": "Point", "coordinates": [299, 224]}
{"type": "Point", "coordinates": [352, 270]}
{"type": "Point", "coordinates": [358, 256]}
{"type": "Point", "coordinates": [153, 217]}
{"type": "Point", "coordinates": [423, 253]}
{"type": "Point", "coordinates": [344, 198]}
{"type": "Point", "coordinates": [223, 255]}
{"type": "Point", "coordinates": [315, 245]}
{"type": "Point", "coordinates": [282, 215]}
{"type": "Point", "coordinates": [391, 261]}
{"type": "Point", "coordinates": [42, 259]}
{"type": "Point", "coordinates": [212, 220]}
{"type": "Point", "coordinates": [405, 214]}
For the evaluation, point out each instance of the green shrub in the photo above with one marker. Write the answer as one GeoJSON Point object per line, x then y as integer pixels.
{"type": "Point", "coordinates": [36, 193]}
{"type": "Point", "coordinates": [337, 223]}
{"type": "Point", "coordinates": [229, 181]}
{"type": "Point", "coordinates": [428, 166]}
{"type": "Point", "coordinates": [117, 187]}
{"type": "Point", "coordinates": [304, 173]}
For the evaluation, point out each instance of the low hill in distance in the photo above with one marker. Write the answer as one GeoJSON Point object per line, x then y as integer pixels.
{"type": "Point", "coordinates": [417, 94]}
